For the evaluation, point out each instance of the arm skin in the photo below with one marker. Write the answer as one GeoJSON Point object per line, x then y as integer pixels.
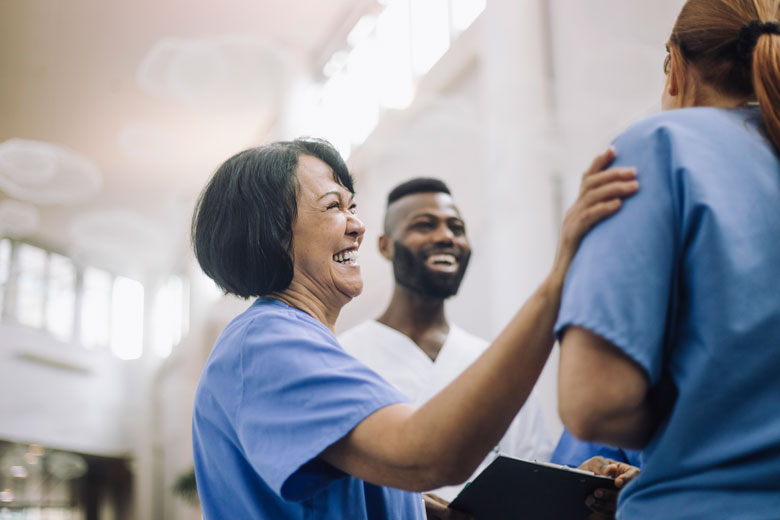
{"type": "Point", "coordinates": [412, 448]}
{"type": "Point", "coordinates": [602, 393]}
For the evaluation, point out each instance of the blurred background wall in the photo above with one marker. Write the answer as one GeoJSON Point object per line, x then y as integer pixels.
{"type": "Point", "coordinates": [114, 114]}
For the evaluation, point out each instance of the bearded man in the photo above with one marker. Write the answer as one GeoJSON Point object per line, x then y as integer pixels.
{"type": "Point", "coordinates": [412, 344]}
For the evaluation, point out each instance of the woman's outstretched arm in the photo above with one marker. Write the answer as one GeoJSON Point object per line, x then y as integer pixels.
{"type": "Point", "coordinates": [444, 440]}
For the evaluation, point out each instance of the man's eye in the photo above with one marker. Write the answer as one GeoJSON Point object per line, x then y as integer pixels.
{"type": "Point", "coordinates": [422, 225]}
{"type": "Point", "coordinates": [353, 208]}
{"type": "Point", "coordinates": [333, 205]}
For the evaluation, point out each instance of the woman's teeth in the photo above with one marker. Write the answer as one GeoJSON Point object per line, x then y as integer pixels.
{"type": "Point", "coordinates": [346, 257]}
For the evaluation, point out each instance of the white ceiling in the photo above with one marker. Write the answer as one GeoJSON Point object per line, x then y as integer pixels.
{"type": "Point", "coordinates": [158, 93]}
{"type": "Point", "coordinates": [71, 74]}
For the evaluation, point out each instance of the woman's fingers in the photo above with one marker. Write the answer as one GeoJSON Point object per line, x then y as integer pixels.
{"type": "Point", "coordinates": [598, 203]}
{"type": "Point", "coordinates": [623, 473]}
{"type": "Point", "coordinates": [618, 173]}
{"type": "Point", "coordinates": [600, 162]}
{"type": "Point", "coordinates": [616, 189]}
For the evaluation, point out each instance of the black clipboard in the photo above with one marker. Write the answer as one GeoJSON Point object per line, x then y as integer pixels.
{"type": "Point", "coordinates": [515, 489]}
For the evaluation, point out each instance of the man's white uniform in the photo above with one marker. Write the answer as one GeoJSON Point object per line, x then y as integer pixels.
{"type": "Point", "coordinates": [401, 362]}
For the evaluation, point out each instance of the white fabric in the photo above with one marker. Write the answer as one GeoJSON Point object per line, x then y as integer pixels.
{"type": "Point", "coordinates": [395, 357]}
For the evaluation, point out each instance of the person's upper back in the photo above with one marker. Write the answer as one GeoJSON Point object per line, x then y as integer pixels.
{"type": "Point", "coordinates": [686, 281]}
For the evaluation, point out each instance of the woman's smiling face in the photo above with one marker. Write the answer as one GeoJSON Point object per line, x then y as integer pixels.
{"type": "Point", "coordinates": [326, 236]}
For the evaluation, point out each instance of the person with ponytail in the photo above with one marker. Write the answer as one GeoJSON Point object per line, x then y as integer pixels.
{"type": "Point", "coordinates": [670, 319]}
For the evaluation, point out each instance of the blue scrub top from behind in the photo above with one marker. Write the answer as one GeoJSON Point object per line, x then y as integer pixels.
{"type": "Point", "coordinates": [685, 280]}
{"type": "Point", "coordinates": [276, 391]}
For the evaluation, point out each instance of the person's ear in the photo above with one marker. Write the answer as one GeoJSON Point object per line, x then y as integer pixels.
{"type": "Point", "coordinates": [386, 247]}
{"type": "Point", "coordinates": [673, 85]}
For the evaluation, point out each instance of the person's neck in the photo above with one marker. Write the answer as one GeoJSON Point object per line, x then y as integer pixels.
{"type": "Point", "coordinates": [298, 297]}
{"type": "Point", "coordinates": [419, 317]}
{"type": "Point", "coordinates": [705, 95]}
{"type": "Point", "coordinates": [708, 97]}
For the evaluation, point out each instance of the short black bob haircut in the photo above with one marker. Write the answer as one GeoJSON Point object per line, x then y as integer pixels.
{"type": "Point", "coordinates": [242, 225]}
{"type": "Point", "coordinates": [417, 185]}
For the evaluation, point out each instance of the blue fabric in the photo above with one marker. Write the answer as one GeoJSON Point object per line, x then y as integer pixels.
{"type": "Point", "coordinates": [276, 391]}
{"type": "Point", "coordinates": [571, 451]}
{"type": "Point", "coordinates": [685, 280]}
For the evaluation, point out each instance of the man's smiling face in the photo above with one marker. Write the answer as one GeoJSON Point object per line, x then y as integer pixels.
{"type": "Point", "coordinates": [430, 250]}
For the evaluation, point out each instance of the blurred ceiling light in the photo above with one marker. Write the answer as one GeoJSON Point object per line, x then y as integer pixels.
{"type": "Point", "coordinates": [231, 71]}
{"type": "Point", "coordinates": [362, 29]}
{"type": "Point", "coordinates": [17, 219]}
{"type": "Point", "coordinates": [46, 173]}
{"type": "Point", "coordinates": [147, 144]}
{"type": "Point", "coordinates": [6, 495]}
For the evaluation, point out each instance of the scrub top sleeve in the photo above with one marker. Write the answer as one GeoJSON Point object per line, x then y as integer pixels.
{"type": "Point", "coordinates": [619, 283]}
{"type": "Point", "coordinates": [301, 393]}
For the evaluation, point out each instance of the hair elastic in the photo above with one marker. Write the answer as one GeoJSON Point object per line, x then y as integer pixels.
{"type": "Point", "coordinates": [749, 35]}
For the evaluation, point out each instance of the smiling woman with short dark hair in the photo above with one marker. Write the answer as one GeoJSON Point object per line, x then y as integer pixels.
{"type": "Point", "coordinates": [243, 225]}
{"type": "Point", "coordinates": [286, 424]}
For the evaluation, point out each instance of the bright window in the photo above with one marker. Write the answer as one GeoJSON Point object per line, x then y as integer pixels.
{"type": "Point", "coordinates": [384, 57]}
{"type": "Point", "coordinates": [127, 318]}
{"type": "Point", "coordinates": [95, 308]}
{"type": "Point", "coordinates": [61, 297]}
{"type": "Point", "coordinates": [30, 283]}
{"type": "Point", "coordinates": [464, 12]}
{"type": "Point", "coordinates": [5, 270]}
{"type": "Point", "coordinates": [89, 306]}
{"type": "Point", "coordinates": [170, 310]}
{"type": "Point", "coordinates": [393, 34]}
{"type": "Point", "coordinates": [430, 33]}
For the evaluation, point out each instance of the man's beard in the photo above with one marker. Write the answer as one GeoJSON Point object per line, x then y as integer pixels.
{"type": "Point", "coordinates": [411, 272]}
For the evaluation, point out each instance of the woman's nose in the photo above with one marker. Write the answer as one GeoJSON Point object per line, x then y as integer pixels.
{"type": "Point", "coordinates": [355, 226]}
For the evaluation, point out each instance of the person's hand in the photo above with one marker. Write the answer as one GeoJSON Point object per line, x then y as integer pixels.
{"type": "Point", "coordinates": [436, 509]}
{"type": "Point", "coordinates": [601, 192]}
{"type": "Point", "coordinates": [603, 501]}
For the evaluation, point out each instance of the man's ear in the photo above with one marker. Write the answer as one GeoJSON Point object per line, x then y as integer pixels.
{"type": "Point", "coordinates": [386, 247]}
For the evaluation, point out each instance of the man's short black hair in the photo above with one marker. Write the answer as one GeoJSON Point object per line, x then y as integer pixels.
{"type": "Point", "coordinates": [242, 225]}
{"type": "Point", "coordinates": [417, 185]}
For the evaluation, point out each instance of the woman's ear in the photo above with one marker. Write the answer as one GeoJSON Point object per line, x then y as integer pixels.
{"type": "Point", "coordinates": [675, 81]}
{"type": "Point", "coordinates": [672, 87]}
{"type": "Point", "coordinates": [386, 247]}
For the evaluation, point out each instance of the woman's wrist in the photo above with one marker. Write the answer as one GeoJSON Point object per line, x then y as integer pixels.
{"type": "Point", "coordinates": [552, 286]}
